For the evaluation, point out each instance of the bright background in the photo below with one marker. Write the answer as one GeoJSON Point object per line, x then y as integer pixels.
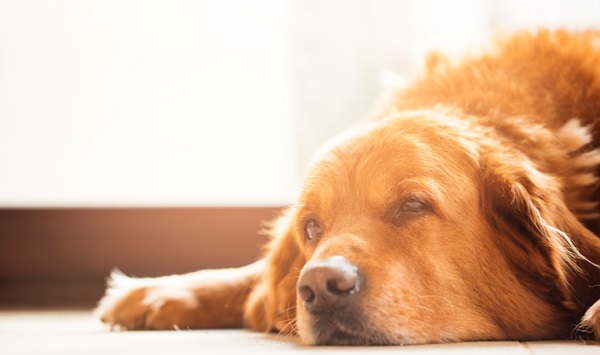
{"type": "Point", "coordinates": [209, 102]}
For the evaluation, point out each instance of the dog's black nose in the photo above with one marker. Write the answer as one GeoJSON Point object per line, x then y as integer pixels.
{"type": "Point", "coordinates": [328, 284]}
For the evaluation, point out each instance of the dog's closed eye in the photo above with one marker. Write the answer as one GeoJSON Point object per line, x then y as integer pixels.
{"type": "Point", "coordinates": [409, 208]}
{"type": "Point", "coordinates": [414, 206]}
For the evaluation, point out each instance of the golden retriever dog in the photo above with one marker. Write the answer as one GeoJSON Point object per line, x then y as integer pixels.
{"type": "Point", "coordinates": [467, 210]}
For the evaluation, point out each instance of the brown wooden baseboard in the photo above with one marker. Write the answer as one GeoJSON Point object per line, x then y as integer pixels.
{"type": "Point", "coordinates": [60, 257]}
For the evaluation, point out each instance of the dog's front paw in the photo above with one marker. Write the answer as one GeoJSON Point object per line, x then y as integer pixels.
{"type": "Point", "coordinates": [590, 322]}
{"type": "Point", "coordinates": [144, 303]}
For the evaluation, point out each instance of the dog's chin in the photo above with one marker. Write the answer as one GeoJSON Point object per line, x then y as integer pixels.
{"type": "Point", "coordinates": [340, 334]}
{"type": "Point", "coordinates": [340, 337]}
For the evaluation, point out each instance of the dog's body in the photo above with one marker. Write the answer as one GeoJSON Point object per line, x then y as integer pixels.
{"type": "Point", "coordinates": [466, 211]}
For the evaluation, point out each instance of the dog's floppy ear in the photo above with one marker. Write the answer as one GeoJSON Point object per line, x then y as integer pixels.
{"type": "Point", "coordinates": [538, 233]}
{"type": "Point", "coordinates": [272, 303]}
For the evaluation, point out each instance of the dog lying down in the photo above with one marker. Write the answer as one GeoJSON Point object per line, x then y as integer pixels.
{"type": "Point", "coordinates": [467, 210]}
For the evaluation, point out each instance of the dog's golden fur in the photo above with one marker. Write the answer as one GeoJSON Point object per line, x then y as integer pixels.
{"type": "Point", "coordinates": [469, 207]}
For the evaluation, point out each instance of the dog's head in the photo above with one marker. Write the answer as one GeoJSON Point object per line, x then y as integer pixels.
{"type": "Point", "coordinates": [420, 229]}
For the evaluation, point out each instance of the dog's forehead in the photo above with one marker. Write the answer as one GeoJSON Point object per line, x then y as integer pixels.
{"type": "Point", "coordinates": [376, 159]}
{"type": "Point", "coordinates": [408, 144]}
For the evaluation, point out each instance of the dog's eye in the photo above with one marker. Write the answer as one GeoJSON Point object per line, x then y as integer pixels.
{"type": "Point", "coordinates": [409, 209]}
{"type": "Point", "coordinates": [312, 229]}
{"type": "Point", "coordinates": [414, 206]}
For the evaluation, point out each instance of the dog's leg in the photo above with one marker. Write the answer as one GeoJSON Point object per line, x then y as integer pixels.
{"type": "Point", "coordinates": [588, 286]}
{"type": "Point", "coordinates": [591, 320]}
{"type": "Point", "coordinates": [202, 299]}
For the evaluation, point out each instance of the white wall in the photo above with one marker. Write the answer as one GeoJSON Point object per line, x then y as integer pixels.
{"type": "Point", "coordinates": [204, 102]}
{"type": "Point", "coordinates": [144, 102]}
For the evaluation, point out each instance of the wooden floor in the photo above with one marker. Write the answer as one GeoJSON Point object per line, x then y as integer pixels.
{"type": "Point", "coordinates": [77, 332]}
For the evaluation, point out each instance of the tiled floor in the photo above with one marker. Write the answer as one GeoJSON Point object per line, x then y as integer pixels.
{"type": "Point", "coordinates": [76, 332]}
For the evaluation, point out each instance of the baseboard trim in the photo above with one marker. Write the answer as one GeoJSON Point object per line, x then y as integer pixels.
{"type": "Point", "coordinates": [60, 257]}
